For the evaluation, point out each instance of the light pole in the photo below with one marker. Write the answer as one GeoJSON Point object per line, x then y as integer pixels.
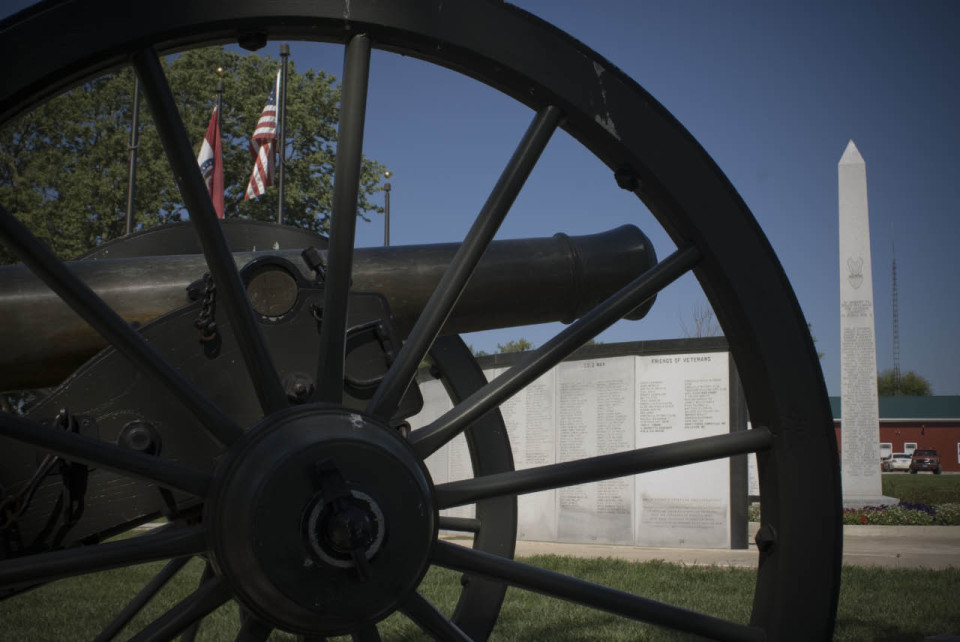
{"type": "Point", "coordinates": [134, 143]}
{"type": "Point", "coordinates": [386, 209]}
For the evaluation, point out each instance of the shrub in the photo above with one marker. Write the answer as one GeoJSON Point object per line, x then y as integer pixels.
{"type": "Point", "coordinates": [948, 514]}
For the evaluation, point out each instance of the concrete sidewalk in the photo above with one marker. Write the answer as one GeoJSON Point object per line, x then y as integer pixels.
{"type": "Point", "coordinates": [935, 547]}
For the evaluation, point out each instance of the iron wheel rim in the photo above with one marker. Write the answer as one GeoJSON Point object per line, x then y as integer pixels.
{"type": "Point", "coordinates": [650, 154]}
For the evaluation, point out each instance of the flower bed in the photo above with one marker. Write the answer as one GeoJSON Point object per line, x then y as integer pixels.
{"type": "Point", "coordinates": [905, 514]}
{"type": "Point", "coordinates": [902, 514]}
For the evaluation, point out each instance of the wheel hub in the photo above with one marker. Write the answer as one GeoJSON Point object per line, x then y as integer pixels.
{"type": "Point", "coordinates": [345, 528]}
{"type": "Point", "coordinates": [321, 519]}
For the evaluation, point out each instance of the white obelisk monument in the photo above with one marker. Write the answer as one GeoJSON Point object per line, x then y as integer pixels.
{"type": "Point", "coordinates": [860, 416]}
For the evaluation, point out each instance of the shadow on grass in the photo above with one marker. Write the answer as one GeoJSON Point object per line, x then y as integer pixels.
{"type": "Point", "coordinates": [849, 628]}
{"type": "Point", "coordinates": [875, 603]}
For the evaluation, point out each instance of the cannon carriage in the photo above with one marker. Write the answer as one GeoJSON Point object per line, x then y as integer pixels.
{"type": "Point", "coordinates": [261, 408]}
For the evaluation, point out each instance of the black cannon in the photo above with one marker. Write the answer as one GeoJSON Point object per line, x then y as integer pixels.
{"type": "Point", "coordinates": [258, 401]}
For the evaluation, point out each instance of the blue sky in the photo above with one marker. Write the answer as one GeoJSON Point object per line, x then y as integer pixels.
{"type": "Point", "coordinates": [773, 92]}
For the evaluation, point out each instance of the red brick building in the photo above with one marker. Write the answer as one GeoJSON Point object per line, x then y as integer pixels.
{"type": "Point", "coordinates": [908, 423]}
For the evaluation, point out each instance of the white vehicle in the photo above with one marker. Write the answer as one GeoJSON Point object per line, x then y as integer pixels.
{"type": "Point", "coordinates": [897, 462]}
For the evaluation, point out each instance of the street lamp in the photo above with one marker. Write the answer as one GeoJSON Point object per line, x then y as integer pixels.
{"type": "Point", "coordinates": [386, 209]}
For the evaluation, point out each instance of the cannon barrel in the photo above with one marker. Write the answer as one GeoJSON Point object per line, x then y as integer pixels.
{"type": "Point", "coordinates": [518, 282]}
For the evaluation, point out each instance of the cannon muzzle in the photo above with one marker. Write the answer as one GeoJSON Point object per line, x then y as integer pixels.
{"type": "Point", "coordinates": [518, 282]}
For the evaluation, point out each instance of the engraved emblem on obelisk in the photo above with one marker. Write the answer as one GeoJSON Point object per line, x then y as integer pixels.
{"type": "Point", "coordinates": [855, 266]}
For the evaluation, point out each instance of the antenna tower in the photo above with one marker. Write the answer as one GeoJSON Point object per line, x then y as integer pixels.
{"type": "Point", "coordinates": [896, 327]}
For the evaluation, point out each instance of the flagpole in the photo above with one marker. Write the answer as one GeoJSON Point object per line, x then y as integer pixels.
{"type": "Point", "coordinates": [134, 142]}
{"type": "Point", "coordinates": [282, 122]}
{"type": "Point", "coordinates": [222, 213]}
{"type": "Point", "coordinates": [386, 209]}
{"type": "Point", "coordinates": [219, 98]}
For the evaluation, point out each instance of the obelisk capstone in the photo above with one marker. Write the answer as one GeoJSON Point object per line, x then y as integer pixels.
{"type": "Point", "coordinates": [860, 417]}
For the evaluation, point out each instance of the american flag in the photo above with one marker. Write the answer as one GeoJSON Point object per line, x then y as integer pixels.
{"type": "Point", "coordinates": [262, 146]}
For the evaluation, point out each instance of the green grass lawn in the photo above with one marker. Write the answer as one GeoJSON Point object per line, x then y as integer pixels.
{"type": "Point", "coordinates": [875, 604]}
{"type": "Point", "coordinates": [922, 488]}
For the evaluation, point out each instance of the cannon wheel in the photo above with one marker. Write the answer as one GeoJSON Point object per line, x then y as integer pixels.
{"type": "Point", "coordinates": [649, 154]}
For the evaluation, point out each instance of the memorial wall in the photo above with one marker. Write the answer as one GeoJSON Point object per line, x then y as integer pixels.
{"type": "Point", "coordinates": [595, 406]}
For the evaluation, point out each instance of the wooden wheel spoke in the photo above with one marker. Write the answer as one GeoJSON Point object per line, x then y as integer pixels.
{"type": "Point", "coordinates": [603, 467]}
{"type": "Point", "coordinates": [465, 524]}
{"type": "Point", "coordinates": [190, 633]}
{"type": "Point", "coordinates": [80, 448]}
{"type": "Point", "coordinates": [346, 180]}
{"type": "Point", "coordinates": [451, 286]}
{"type": "Point", "coordinates": [42, 567]}
{"type": "Point", "coordinates": [75, 293]}
{"type": "Point", "coordinates": [429, 439]}
{"type": "Point", "coordinates": [589, 594]}
{"type": "Point", "coordinates": [208, 597]}
{"type": "Point", "coordinates": [432, 621]}
{"type": "Point", "coordinates": [220, 260]}
{"type": "Point", "coordinates": [140, 599]}
{"type": "Point", "coordinates": [254, 630]}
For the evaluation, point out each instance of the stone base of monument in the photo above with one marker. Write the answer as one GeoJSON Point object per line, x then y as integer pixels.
{"type": "Point", "coordinates": [861, 501]}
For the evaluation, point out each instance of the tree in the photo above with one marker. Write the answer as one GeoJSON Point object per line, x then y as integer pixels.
{"type": "Point", "coordinates": [517, 345]}
{"type": "Point", "coordinates": [704, 322]}
{"type": "Point", "coordinates": [477, 352]}
{"type": "Point", "coordinates": [911, 385]}
{"type": "Point", "coordinates": [63, 166]}
{"type": "Point", "coordinates": [813, 336]}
